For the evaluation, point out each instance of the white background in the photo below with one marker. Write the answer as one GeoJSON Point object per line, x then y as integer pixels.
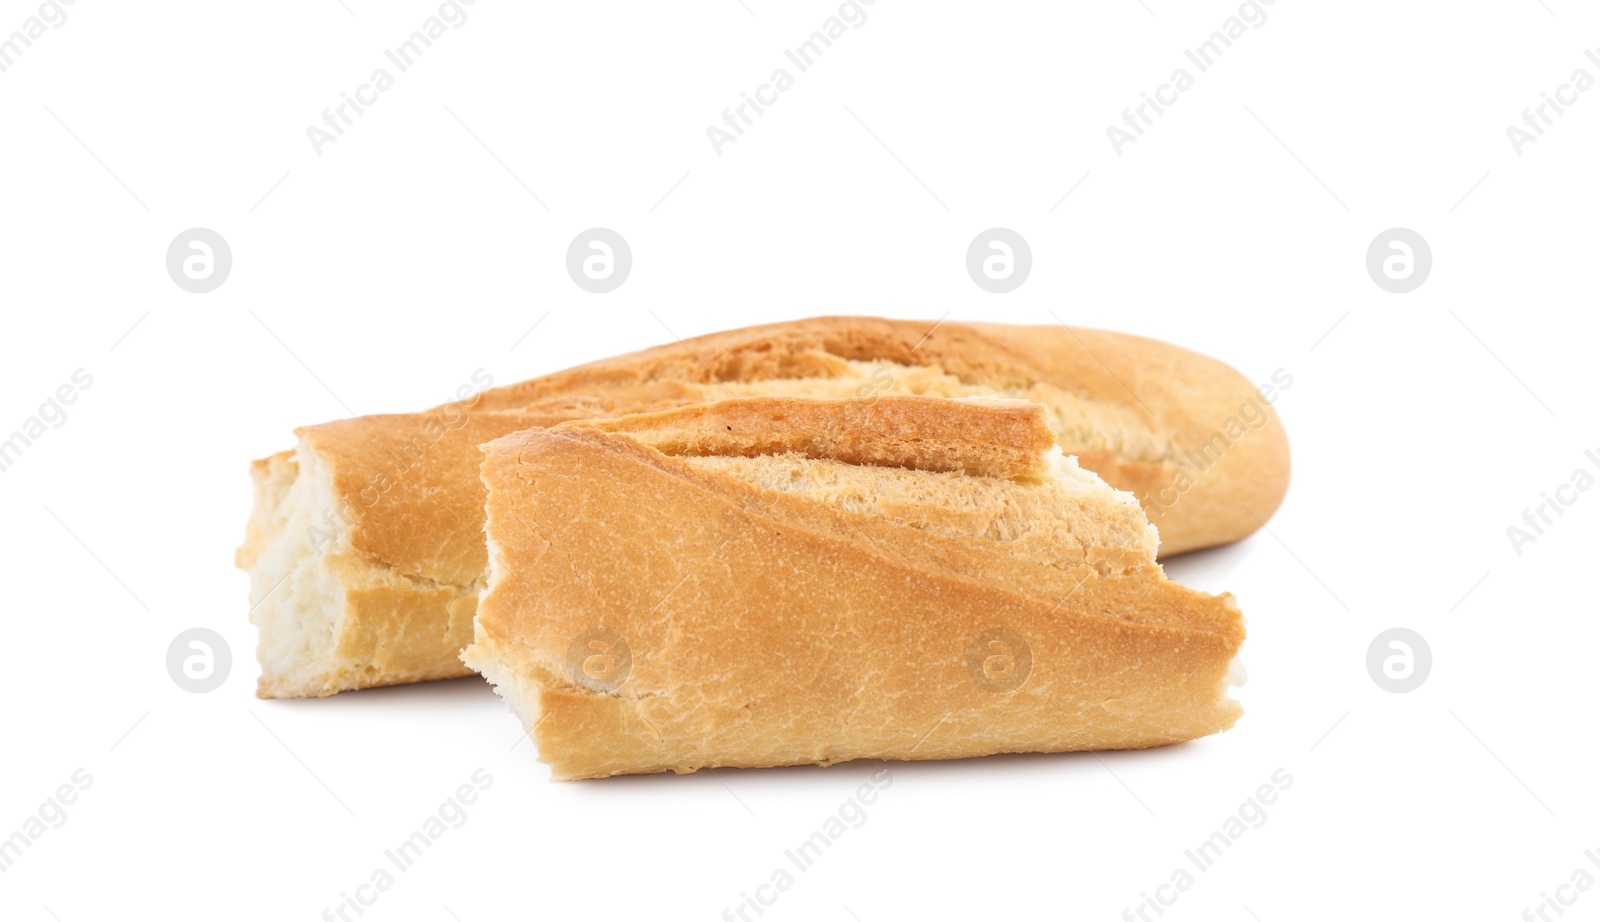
{"type": "Point", "coordinates": [379, 275]}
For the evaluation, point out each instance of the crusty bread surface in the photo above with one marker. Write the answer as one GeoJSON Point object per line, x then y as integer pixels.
{"type": "Point", "coordinates": [365, 545]}
{"type": "Point", "coordinates": [780, 581]}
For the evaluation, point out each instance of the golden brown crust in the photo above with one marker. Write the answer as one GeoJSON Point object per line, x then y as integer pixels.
{"type": "Point", "coordinates": [407, 484]}
{"type": "Point", "coordinates": [1187, 434]}
{"type": "Point", "coordinates": [771, 628]}
{"type": "Point", "coordinates": [1227, 470]}
{"type": "Point", "coordinates": [403, 489]}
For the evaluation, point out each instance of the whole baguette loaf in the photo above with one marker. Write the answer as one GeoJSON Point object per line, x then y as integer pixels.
{"type": "Point", "coordinates": [780, 581]}
{"type": "Point", "coordinates": [365, 545]}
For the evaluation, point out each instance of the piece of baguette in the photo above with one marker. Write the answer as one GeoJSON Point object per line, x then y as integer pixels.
{"type": "Point", "coordinates": [783, 581]}
{"type": "Point", "coordinates": [365, 546]}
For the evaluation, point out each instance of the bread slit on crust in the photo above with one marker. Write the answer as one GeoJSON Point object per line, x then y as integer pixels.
{"type": "Point", "coordinates": [780, 581]}
{"type": "Point", "coordinates": [365, 546]}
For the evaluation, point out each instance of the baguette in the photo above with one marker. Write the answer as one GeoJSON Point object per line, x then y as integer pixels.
{"type": "Point", "coordinates": [365, 546]}
{"type": "Point", "coordinates": [782, 581]}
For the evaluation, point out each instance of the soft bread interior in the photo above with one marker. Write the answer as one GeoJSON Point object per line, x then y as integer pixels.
{"type": "Point", "coordinates": [514, 671]}
{"type": "Point", "coordinates": [1051, 520]}
{"type": "Point", "coordinates": [296, 600]}
{"type": "Point", "coordinates": [306, 580]}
